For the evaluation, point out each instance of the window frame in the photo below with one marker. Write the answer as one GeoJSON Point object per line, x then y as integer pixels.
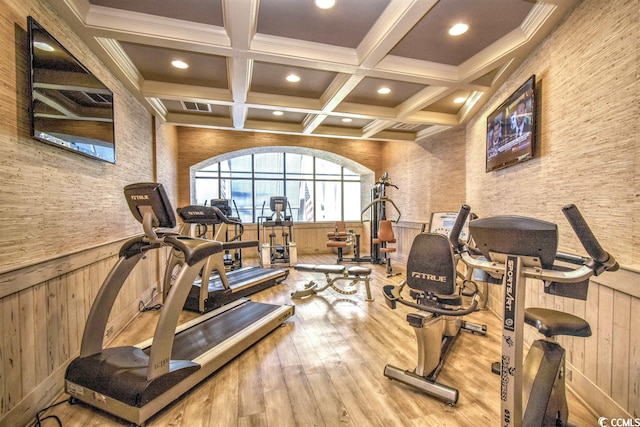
{"type": "Point", "coordinates": [352, 176]}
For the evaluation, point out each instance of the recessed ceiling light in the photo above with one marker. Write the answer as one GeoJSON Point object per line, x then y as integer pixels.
{"type": "Point", "coordinates": [325, 4]}
{"type": "Point", "coordinates": [458, 29]}
{"type": "Point", "coordinates": [384, 90]}
{"type": "Point", "coordinates": [459, 100]}
{"type": "Point", "coordinates": [293, 78]}
{"type": "Point", "coordinates": [179, 64]}
{"type": "Point", "coordinates": [277, 113]}
{"type": "Point", "coordinates": [44, 46]}
{"type": "Point", "coordinates": [347, 120]}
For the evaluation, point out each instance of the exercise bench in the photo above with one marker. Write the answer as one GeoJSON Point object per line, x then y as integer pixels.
{"type": "Point", "coordinates": [334, 274]}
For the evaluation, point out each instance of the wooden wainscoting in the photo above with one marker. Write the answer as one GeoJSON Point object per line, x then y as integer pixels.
{"type": "Point", "coordinates": [324, 367]}
{"type": "Point", "coordinates": [43, 308]}
{"type": "Point", "coordinates": [604, 369]}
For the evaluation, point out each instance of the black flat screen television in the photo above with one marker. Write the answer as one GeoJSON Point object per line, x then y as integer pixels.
{"type": "Point", "coordinates": [511, 128]}
{"type": "Point", "coordinates": [70, 107]}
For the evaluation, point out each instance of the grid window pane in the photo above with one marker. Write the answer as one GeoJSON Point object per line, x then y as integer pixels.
{"type": "Point", "coordinates": [238, 167]}
{"type": "Point", "coordinates": [299, 166]}
{"type": "Point", "coordinates": [328, 170]}
{"type": "Point", "coordinates": [303, 191]}
{"type": "Point", "coordinates": [316, 189]}
{"type": "Point", "coordinates": [264, 190]}
{"type": "Point", "coordinates": [349, 175]}
{"type": "Point", "coordinates": [269, 165]}
{"type": "Point", "coordinates": [206, 189]}
{"type": "Point", "coordinates": [295, 197]}
{"type": "Point", "coordinates": [241, 192]}
{"type": "Point", "coordinates": [352, 204]}
{"type": "Point", "coordinates": [328, 206]}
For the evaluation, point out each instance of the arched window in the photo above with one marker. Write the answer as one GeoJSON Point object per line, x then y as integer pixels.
{"type": "Point", "coordinates": [317, 189]}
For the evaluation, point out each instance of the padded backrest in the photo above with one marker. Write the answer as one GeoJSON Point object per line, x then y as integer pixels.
{"type": "Point", "coordinates": [431, 266]}
{"type": "Point", "coordinates": [341, 227]}
{"type": "Point", "coordinates": [385, 231]}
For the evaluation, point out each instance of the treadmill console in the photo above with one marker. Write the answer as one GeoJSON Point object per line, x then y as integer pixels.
{"type": "Point", "coordinates": [150, 196]}
{"type": "Point", "coordinates": [223, 205]}
{"type": "Point", "coordinates": [278, 205]}
{"type": "Point", "coordinates": [196, 214]}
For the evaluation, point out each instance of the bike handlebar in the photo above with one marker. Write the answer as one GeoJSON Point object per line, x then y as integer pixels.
{"type": "Point", "coordinates": [393, 295]}
{"type": "Point", "coordinates": [588, 239]}
{"type": "Point", "coordinates": [454, 236]}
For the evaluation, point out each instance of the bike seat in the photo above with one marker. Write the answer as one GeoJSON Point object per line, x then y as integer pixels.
{"type": "Point", "coordinates": [553, 322]}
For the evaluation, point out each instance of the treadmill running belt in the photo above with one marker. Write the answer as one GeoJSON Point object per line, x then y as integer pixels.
{"type": "Point", "coordinates": [243, 282]}
{"type": "Point", "coordinates": [241, 277]}
{"type": "Point", "coordinates": [198, 339]}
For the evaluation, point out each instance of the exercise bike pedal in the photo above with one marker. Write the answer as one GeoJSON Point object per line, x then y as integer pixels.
{"type": "Point", "coordinates": [496, 368]}
{"type": "Point", "coordinates": [474, 328]}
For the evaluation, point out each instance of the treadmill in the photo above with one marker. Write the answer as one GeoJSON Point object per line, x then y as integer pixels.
{"type": "Point", "coordinates": [135, 382]}
{"type": "Point", "coordinates": [221, 286]}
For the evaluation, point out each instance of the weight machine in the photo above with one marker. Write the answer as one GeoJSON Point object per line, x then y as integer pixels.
{"type": "Point", "coordinates": [378, 212]}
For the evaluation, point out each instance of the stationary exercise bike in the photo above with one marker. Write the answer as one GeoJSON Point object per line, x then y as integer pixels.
{"type": "Point", "coordinates": [431, 278]}
{"type": "Point", "coordinates": [517, 248]}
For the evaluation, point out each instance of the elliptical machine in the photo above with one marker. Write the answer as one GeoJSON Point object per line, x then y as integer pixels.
{"type": "Point", "coordinates": [272, 252]}
{"type": "Point", "coordinates": [517, 248]}
{"type": "Point", "coordinates": [431, 278]}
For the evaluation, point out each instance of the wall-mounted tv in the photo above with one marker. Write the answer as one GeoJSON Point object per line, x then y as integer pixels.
{"type": "Point", "coordinates": [511, 128]}
{"type": "Point", "coordinates": [70, 107]}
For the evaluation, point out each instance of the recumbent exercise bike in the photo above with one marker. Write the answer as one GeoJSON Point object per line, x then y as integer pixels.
{"type": "Point", "coordinates": [435, 292]}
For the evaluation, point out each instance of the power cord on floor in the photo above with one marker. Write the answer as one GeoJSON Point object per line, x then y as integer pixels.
{"type": "Point", "coordinates": [142, 307]}
{"type": "Point", "coordinates": [53, 417]}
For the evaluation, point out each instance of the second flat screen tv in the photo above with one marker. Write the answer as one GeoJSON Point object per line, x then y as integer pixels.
{"type": "Point", "coordinates": [70, 107]}
{"type": "Point", "coordinates": [511, 128]}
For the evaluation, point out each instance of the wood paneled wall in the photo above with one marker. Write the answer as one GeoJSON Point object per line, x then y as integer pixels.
{"type": "Point", "coordinates": [604, 369]}
{"type": "Point", "coordinates": [44, 308]}
{"type": "Point", "coordinates": [198, 145]}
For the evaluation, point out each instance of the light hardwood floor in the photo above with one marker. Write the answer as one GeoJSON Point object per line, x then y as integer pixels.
{"type": "Point", "coordinates": [324, 367]}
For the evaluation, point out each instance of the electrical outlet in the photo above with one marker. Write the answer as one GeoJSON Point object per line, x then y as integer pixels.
{"type": "Point", "coordinates": [569, 374]}
{"type": "Point", "coordinates": [109, 331]}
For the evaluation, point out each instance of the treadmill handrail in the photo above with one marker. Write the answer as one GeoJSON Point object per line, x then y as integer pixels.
{"type": "Point", "coordinates": [163, 338]}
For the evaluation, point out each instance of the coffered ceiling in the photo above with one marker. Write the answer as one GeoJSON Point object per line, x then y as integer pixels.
{"type": "Point", "coordinates": [239, 53]}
